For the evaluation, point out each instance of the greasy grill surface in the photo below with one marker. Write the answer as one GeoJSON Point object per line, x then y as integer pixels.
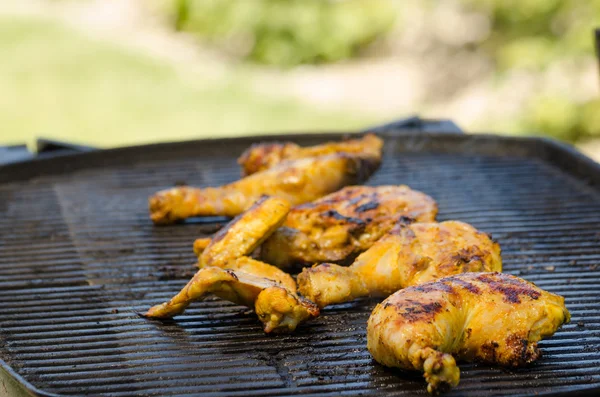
{"type": "Point", "coordinates": [79, 258]}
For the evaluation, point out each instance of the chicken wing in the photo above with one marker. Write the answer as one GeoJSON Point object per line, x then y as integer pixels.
{"type": "Point", "coordinates": [489, 317]}
{"type": "Point", "coordinates": [407, 255]}
{"type": "Point", "coordinates": [262, 156]}
{"type": "Point", "coordinates": [337, 227]}
{"type": "Point", "coordinates": [278, 308]}
{"type": "Point", "coordinates": [244, 233]}
{"type": "Point", "coordinates": [297, 181]}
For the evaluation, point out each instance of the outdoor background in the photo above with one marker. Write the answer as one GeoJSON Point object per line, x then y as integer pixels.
{"type": "Point", "coordinates": [122, 72]}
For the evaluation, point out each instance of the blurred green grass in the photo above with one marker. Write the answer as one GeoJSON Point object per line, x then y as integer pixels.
{"type": "Point", "coordinates": [57, 83]}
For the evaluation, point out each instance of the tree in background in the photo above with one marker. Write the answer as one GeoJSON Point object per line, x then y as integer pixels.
{"type": "Point", "coordinates": [552, 37]}
{"type": "Point", "coordinates": [543, 45]}
{"type": "Point", "coordinates": [286, 32]}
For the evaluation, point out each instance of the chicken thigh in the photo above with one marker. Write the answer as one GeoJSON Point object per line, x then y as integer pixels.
{"type": "Point", "coordinates": [493, 318]}
{"type": "Point", "coordinates": [337, 227]}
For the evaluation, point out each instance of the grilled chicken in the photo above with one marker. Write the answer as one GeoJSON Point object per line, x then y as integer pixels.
{"type": "Point", "coordinates": [244, 233]}
{"type": "Point", "coordinates": [262, 156]}
{"type": "Point", "coordinates": [297, 181]}
{"type": "Point", "coordinates": [408, 255]}
{"type": "Point", "coordinates": [200, 245]}
{"type": "Point", "coordinates": [337, 227]}
{"type": "Point", "coordinates": [489, 317]}
{"type": "Point", "coordinates": [277, 307]}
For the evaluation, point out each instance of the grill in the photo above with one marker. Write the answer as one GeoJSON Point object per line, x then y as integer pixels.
{"type": "Point", "coordinates": [79, 259]}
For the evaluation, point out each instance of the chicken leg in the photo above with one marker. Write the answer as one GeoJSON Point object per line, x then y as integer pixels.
{"type": "Point", "coordinates": [297, 181]}
{"type": "Point", "coordinates": [407, 255]}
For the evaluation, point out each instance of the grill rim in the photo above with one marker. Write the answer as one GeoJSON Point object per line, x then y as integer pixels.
{"type": "Point", "coordinates": [25, 385]}
{"type": "Point", "coordinates": [562, 155]}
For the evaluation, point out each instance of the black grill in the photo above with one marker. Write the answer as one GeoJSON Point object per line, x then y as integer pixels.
{"type": "Point", "coordinates": [79, 259]}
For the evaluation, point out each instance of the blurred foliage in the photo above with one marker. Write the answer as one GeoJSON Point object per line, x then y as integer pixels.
{"type": "Point", "coordinates": [532, 35]}
{"type": "Point", "coordinates": [58, 83]}
{"type": "Point", "coordinates": [286, 32]}
{"type": "Point", "coordinates": [525, 36]}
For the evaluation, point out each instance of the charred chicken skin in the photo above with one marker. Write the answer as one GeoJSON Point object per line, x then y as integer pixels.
{"type": "Point", "coordinates": [488, 317]}
{"type": "Point", "coordinates": [275, 302]}
{"type": "Point", "coordinates": [343, 224]}
{"type": "Point", "coordinates": [409, 254]}
{"type": "Point", "coordinates": [297, 181]}
{"type": "Point", "coordinates": [262, 156]}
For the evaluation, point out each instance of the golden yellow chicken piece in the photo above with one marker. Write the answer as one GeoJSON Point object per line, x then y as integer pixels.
{"type": "Point", "coordinates": [262, 156]}
{"type": "Point", "coordinates": [488, 317]}
{"type": "Point", "coordinates": [407, 255]}
{"type": "Point", "coordinates": [244, 233]}
{"type": "Point", "coordinates": [200, 245]}
{"type": "Point", "coordinates": [297, 181]}
{"type": "Point", "coordinates": [337, 227]}
{"type": "Point", "coordinates": [277, 307]}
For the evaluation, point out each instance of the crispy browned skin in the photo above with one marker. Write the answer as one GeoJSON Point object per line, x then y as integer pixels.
{"type": "Point", "coordinates": [297, 181]}
{"type": "Point", "coordinates": [489, 317]}
{"type": "Point", "coordinates": [407, 255]}
{"type": "Point", "coordinates": [262, 156]}
{"type": "Point", "coordinates": [245, 232]}
{"type": "Point", "coordinates": [344, 224]}
{"type": "Point", "coordinates": [279, 309]}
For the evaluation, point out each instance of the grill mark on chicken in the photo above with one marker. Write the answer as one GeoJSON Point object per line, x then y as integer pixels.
{"type": "Point", "coordinates": [429, 287]}
{"type": "Point", "coordinates": [371, 205]}
{"type": "Point", "coordinates": [511, 291]}
{"type": "Point", "coordinates": [420, 312]}
{"type": "Point", "coordinates": [468, 286]}
{"type": "Point", "coordinates": [406, 220]}
{"type": "Point", "coordinates": [339, 217]}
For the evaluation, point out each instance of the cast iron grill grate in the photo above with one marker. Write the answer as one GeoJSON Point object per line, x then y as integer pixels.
{"type": "Point", "coordinates": [79, 258]}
